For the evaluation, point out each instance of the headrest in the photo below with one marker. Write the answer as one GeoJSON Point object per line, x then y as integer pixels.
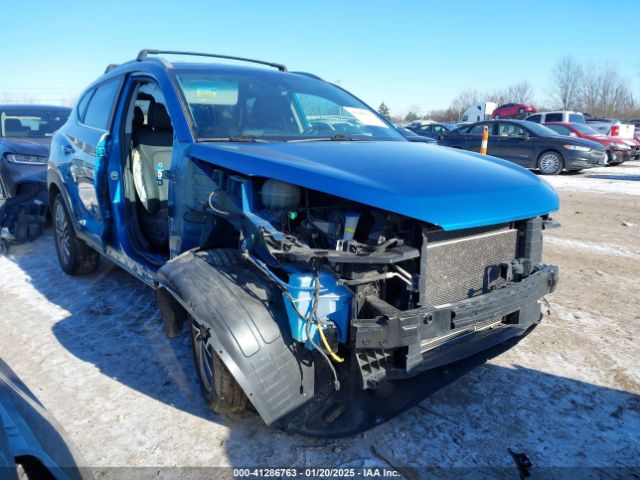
{"type": "Point", "coordinates": [138, 117]}
{"type": "Point", "coordinates": [158, 117]}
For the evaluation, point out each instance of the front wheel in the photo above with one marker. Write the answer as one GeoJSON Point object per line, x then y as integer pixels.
{"type": "Point", "coordinates": [75, 256]}
{"type": "Point", "coordinates": [550, 163]}
{"type": "Point", "coordinates": [220, 390]}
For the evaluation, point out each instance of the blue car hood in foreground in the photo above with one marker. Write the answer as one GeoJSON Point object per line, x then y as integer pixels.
{"type": "Point", "coordinates": [445, 187]}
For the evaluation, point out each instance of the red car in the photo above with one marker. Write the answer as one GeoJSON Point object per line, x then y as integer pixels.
{"type": "Point", "coordinates": [618, 149]}
{"type": "Point", "coordinates": [513, 110]}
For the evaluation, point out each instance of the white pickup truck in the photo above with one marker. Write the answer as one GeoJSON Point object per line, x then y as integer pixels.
{"type": "Point", "coordinates": [611, 127]}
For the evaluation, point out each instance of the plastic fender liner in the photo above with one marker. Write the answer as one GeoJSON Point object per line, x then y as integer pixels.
{"type": "Point", "coordinates": [248, 326]}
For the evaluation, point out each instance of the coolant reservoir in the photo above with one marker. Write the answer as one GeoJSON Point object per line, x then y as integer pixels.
{"type": "Point", "coordinates": [277, 195]}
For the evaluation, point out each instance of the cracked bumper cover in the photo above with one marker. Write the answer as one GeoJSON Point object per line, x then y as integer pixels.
{"type": "Point", "coordinates": [432, 337]}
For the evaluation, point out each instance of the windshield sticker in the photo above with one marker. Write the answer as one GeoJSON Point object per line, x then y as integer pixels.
{"type": "Point", "coordinates": [210, 92]}
{"type": "Point", "coordinates": [366, 117]}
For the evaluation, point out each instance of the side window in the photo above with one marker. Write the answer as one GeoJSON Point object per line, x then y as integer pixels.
{"type": "Point", "coordinates": [438, 129]}
{"type": "Point", "coordinates": [561, 129]}
{"type": "Point", "coordinates": [478, 129]}
{"type": "Point", "coordinates": [534, 118]}
{"type": "Point", "coordinates": [510, 130]}
{"type": "Point", "coordinates": [98, 114]}
{"type": "Point", "coordinates": [465, 118]}
{"type": "Point", "coordinates": [82, 104]}
{"type": "Point", "coordinates": [553, 117]}
{"type": "Point", "coordinates": [576, 118]}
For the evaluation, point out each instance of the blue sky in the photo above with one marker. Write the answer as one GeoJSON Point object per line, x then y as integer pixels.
{"type": "Point", "coordinates": [405, 53]}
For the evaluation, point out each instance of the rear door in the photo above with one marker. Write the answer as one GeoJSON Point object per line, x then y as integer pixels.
{"type": "Point", "coordinates": [88, 146]}
{"type": "Point", "coordinates": [473, 137]}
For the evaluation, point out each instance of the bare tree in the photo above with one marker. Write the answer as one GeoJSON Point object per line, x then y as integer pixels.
{"type": "Point", "coordinates": [466, 98]}
{"type": "Point", "coordinates": [520, 92]}
{"type": "Point", "coordinates": [566, 83]}
{"type": "Point", "coordinates": [604, 91]}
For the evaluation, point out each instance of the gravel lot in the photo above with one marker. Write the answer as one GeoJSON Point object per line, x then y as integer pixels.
{"type": "Point", "coordinates": [93, 351]}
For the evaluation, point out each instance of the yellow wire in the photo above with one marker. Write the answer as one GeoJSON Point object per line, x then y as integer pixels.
{"type": "Point", "coordinates": [326, 345]}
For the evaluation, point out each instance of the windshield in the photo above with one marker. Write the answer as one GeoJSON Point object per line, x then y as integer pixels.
{"type": "Point", "coordinates": [31, 122]}
{"type": "Point", "coordinates": [271, 106]}
{"type": "Point", "coordinates": [540, 129]}
{"type": "Point", "coordinates": [587, 130]}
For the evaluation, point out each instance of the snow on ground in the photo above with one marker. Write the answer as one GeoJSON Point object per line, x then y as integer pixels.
{"type": "Point", "coordinates": [620, 179]}
{"type": "Point", "coordinates": [92, 349]}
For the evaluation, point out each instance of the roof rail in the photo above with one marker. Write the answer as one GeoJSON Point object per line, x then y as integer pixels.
{"type": "Point", "coordinates": [110, 67]}
{"type": "Point", "coordinates": [144, 53]}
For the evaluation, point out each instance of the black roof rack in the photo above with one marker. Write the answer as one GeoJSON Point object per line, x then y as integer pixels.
{"type": "Point", "coordinates": [144, 53]}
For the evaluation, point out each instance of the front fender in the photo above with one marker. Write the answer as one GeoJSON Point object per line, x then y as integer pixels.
{"type": "Point", "coordinates": [248, 325]}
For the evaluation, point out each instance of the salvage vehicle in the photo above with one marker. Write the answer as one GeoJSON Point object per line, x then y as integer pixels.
{"type": "Point", "coordinates": [432, 130]}
{"type": "Point", "coordinates": [564, 116]}
{"type": "Point", "coordinates": [612, 127]}
{"type": "Point", "coordinates": [320, 275]}
{"type": "Point", "coordinates": [25, 135]}
{"type": "Point", "coordinates": [529, 145]}
{"type": "Point", "coordinates": [618, 151]}
{"type": "Point", "coordinates": [513, 110]}
{"type": "Point", "coordinates": [478, 112]}
{"type": "Point", "coordinates": [32, 443]}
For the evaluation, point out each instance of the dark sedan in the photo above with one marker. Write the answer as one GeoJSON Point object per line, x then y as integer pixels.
{"type": "Point", "coordinates": [25, 136]}
{"type": "Point", "coordinates": [529, 145]}
{"type": "Point", "coordinates": [431, 130]}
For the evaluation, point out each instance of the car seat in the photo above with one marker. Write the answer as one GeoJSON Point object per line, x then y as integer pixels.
{"type": "Point", "coordinates": [152, 151]}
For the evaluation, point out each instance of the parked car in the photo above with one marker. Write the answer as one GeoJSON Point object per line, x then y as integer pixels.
{"type": "Point", "coordinates": [611, 127]}
{"type": "Point", "coordinates": [529, 145]}
{"type": "Point", "coordinates": [25, 135]}
{"type": "Point", "coordinates": [618, 150]}
{"type": "Point", "coordinates": [559, 116]}
{"type": "Point", "coordinates": [432, 130]}
{"type": "Point", "coordinates": [414, 137]}
{"type": "Point", "coordinates": [307, 266]}
{"type": "Point", "coordinates": [478, 112]}
{"type": "Point", "coordinates": [32, 443]}
{"type": "Point", "coordinates": [513, 110]}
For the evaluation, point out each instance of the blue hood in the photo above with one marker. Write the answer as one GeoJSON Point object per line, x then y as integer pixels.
{"type": "Point", "coordinates": [26, 146]}
{"type": "Point", "coordinates": [438, 185]}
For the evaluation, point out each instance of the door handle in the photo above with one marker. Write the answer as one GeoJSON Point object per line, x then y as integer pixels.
{"type": "Point", "coordinates": [67, 149]}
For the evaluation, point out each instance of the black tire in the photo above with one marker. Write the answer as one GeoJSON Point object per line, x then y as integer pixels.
{"type": "Point", "coordinates": [74, 255]}
{"type": "Point", "coordinates": [550, 163]}
{"type": "Point", "coordinates": [219, 389]}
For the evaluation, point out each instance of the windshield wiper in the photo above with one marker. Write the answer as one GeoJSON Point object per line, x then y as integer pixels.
{"type": "Point", "coordinates": [340, 137]}
{"type": "Point", "coordinates": [239, 138]}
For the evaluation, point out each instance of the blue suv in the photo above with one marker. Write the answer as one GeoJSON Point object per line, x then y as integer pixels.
{"type": "Point", "coordinates": [324, 266]}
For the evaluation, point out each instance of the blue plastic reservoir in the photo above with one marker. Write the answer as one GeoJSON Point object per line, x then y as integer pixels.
{"type": "Point", "coordinates": [334, 304]}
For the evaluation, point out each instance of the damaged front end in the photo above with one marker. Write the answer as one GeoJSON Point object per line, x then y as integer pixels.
{"type": "Point", "coordinates": [23, 215]}
{"type": "Point", "coordinates": [382, 301]}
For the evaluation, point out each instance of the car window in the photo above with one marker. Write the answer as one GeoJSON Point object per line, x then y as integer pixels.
{"type": "Point", "coordinates": [553, 117]}
{"type": "Point", "coordinates": [275, 108]}
{"type": "Point", "coordinates": [425, 129]}
{"type": "Point", "coordinates": [100, 107]}
{"type": "Point", "coordinates": [534, 118]}
{"type": "Point", "coordinates": [478, 129]}
{"type": "Point", "coordinates": [561, 129]}
{"type": "Point", "coordinates": [576, 118]}
{"type": "Point", "coordinates": [82, 104]}
{"type": "Point", "coordinates": [510, 130]}
{"type": "Point", "coordinates": [32, 122]}
{"type": "Point", "coordinates": [439, 129]}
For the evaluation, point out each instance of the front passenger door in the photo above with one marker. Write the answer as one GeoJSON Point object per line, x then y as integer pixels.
{"type": "Point", "coordinates": [511, 142]}
{"type": "Point", "coordinates": [88, 146]}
